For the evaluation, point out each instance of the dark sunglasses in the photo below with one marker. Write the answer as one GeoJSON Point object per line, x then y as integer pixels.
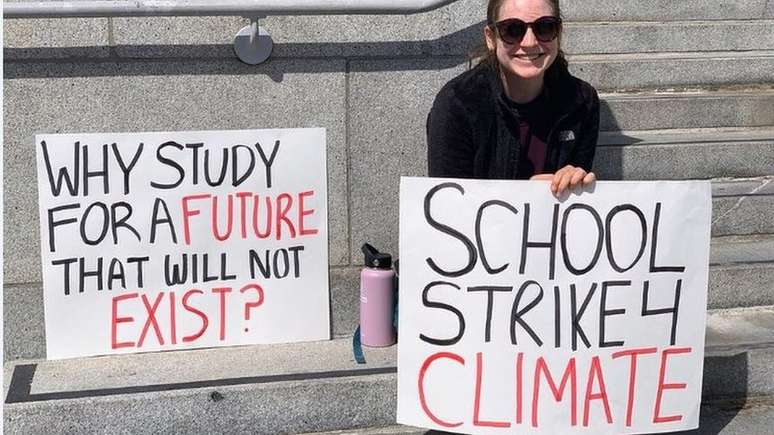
{"type": "Point", "coordinates": [512, 30]}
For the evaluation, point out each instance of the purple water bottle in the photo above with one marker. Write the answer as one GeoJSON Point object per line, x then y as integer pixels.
{"type": "Point", "coordinates": [377, 299]}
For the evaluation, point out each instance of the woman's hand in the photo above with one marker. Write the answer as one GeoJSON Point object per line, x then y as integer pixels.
{"type": "Point", "coordinates": [566, 178]}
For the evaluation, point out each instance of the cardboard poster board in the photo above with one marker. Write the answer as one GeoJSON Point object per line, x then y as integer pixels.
{"type": "Point", "coordinates": [176, 240]}
{"type": "Point", "coordinates": [521, 313]}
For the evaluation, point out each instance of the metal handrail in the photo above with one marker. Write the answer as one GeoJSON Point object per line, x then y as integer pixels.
{"type": "Point", "coordinates": [247, 8]}
{"type": "Point", "coordinates": [252, 44]}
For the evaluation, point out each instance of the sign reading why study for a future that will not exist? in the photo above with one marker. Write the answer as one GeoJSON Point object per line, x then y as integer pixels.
{"type": "Point", "coordinates": [161, 241]}
{"type": "Point", "coordinates": [523, 314]}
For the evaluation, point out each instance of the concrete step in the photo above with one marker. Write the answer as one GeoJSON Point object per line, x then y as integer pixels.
{"type": "Point", "coordinates": [292, 388]}
{"type": "Point", "coordinates": [665, 10]}
{"type": "Point", "coordinates": [685, 154]}
{"type": "Point", "coordinates": [754, 416]}
{"type": "Point", "coordinates": [752, 106]}
{"type": "Point", "coordinates": [667, 36]}
{"type": "Point", "coordinates": [741, 275]}
{"type": "Point", "coordinates": [668, 70]}
{"type": "Point", "coordinates": [396, 429]}
{"type": "Point", "coordinates": [743, 207]}
{"type": "Point", "coordinates": [354, 36]}
{"type": "Point", "coordinates": [451, 30]}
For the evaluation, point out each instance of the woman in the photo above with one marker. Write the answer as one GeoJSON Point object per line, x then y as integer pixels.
{"type": "Point", "coordinates": [518, 114]}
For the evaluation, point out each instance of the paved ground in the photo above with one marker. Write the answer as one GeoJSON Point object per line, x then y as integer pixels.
{"type": "Point", "coordinates": [753, 418]}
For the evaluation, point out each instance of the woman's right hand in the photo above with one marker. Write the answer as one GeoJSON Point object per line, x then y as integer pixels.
{"type": "Point", "coordinates": [566, 178]}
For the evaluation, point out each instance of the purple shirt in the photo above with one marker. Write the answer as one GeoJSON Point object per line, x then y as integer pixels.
{"type": "Point", "coordinates": [534, 127]}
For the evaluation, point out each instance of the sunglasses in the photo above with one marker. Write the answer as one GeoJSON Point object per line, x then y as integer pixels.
{"type": "Point", "coordinates": [512, 30]}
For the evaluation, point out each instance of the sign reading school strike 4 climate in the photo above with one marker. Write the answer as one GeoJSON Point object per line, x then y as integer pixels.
{"type": "Point", "coordinates": [520, 313]}
{"type": "Point", "coordinates": [160, 241]}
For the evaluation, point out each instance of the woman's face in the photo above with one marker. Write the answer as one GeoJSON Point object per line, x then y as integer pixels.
{"type": "Point", "coordinates": [529, 58]}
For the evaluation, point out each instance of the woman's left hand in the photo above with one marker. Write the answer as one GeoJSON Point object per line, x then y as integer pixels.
{"type": "Point", "coordinates": [566, 178]}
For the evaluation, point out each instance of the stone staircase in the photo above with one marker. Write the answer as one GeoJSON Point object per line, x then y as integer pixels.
{"type": "Point", "coordinates": [687, 92]}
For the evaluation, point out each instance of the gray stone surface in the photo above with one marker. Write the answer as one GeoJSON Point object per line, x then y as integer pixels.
{"type": "Point", "coordinates": [743, 249]}
{"type": "Point", "coordinates": [738, 362]}
{"type": "Point", "coordinates": [667, 36]}
{"type": "Point", "coordinates": [386, 430]}
{"type": "Point", "coordinates": [162, 96]}
{"type": "Point", "coordinates": [667, 70]}
{"type": "Point", "coordinates": [743, 215]}
{"type": "Point", "coordinates": [727, 329]}
{"type": "Point", "coordinates": [24, 335]}
{"type": "Point", "coordinates": [754, 417]}
{"type": "Point", "coordinates": [637, 10]}
{"type": "Point", "coordinates": [453, 30]}
{"type": "Point", "coordinates": [176, 37]}
{"type": "Point", "coordinates": [733, 286]}
{"type": "Point", "coordinates": [205, 365]}
{"type": "Point", "coordinates": [741, 371]}
{"type": "Point", "coordinates": [725, 420]}
{"type": "Point", "coordinates": [770, 9]}
{"type": "Point", "coordinates": [387, 140]}
{"type": "Point", "coordinates": [756, 186]}
{"type": "Point", "coordinates": [685, 154]}
{"type": "Point", "coordinates": [56, 38]}
{"type": "Point", "coordinates": [693, 109]}
{"type": "Point", "coordinates": [684, 161]}
{"type": "Point", "coordinates": [345, 301]}
{"type": "Point", "coordinates": [436, 32]}
{"type": "Point", "coordinates": [286, 407]}
{"type": "Point", "coordinates": [661, 10]}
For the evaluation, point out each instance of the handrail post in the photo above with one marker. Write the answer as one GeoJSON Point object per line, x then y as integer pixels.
{"type": "Point", "coordinates": [253, 44]}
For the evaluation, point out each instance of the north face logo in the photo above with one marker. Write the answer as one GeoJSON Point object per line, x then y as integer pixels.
{"type": "Point", "coordinates": [566, 135]}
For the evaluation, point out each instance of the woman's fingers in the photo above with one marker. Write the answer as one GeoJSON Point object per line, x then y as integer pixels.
{"type": "Point", "coordinates": [577, 177]}
{"type": "Point", "coordinates": [563, 179]}
{"type": "Point", "coordinates": [567, 177]}
{"type": "Point", "coordinates": [557, 179]}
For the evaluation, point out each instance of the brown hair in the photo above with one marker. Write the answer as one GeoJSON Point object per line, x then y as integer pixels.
{"type": "Point", "coordinates": [483, 54]}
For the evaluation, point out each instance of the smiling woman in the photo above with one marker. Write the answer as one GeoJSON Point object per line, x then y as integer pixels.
{"type": "Point", "coordinates": [518, 114]}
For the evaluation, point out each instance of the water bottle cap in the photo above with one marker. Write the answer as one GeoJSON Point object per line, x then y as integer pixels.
{"type": "Point", "coordinates": [376, 259]}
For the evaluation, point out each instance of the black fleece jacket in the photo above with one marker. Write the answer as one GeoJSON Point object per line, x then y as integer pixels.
{"type": "Point", "coordinates": [472, 131]}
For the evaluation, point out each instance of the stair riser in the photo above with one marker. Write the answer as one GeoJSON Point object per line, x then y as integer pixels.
{"type": "Point", "coordinates": [614, 38]}
{"type": "Point", "coordinates": [738, 373]}
{"type": "Point", "coordinates": [663, 73]}
{"type": "Point", "coordinates": [663, 10]}
{"type": "Point", "coordinates": [687, 111]}
{"type": "Point", "coordinates": [685, 161]}
{"type": "Point", "coordinates": [284, 407]}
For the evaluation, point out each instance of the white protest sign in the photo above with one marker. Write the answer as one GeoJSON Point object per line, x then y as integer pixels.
{"type": "Point", "coordinates": [176, 240]}
{"type": "Point", "coordinates": [521, 313]}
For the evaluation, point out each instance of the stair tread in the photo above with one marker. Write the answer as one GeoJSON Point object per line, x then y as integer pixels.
{"type": "Point", "coordinates": [763, 91]}
{"type": "Point", "coordinates": [727, 330]}
{"type": "Point", "coordinates": [743, 187]}
{"type": "Point", "coordinates": [672, 55]}
{"type": "Point", "coordinates": [273, 363]}
{"type": "Point", "coordinates": [690, 135]}
{"type": "Point", "coordinates": [762, 22]}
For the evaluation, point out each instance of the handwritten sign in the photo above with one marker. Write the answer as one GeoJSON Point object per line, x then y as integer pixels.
{"type": "Point", "coordinates": [161, 241]}
{"type": "Point", "coordinates": [521, 313]}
